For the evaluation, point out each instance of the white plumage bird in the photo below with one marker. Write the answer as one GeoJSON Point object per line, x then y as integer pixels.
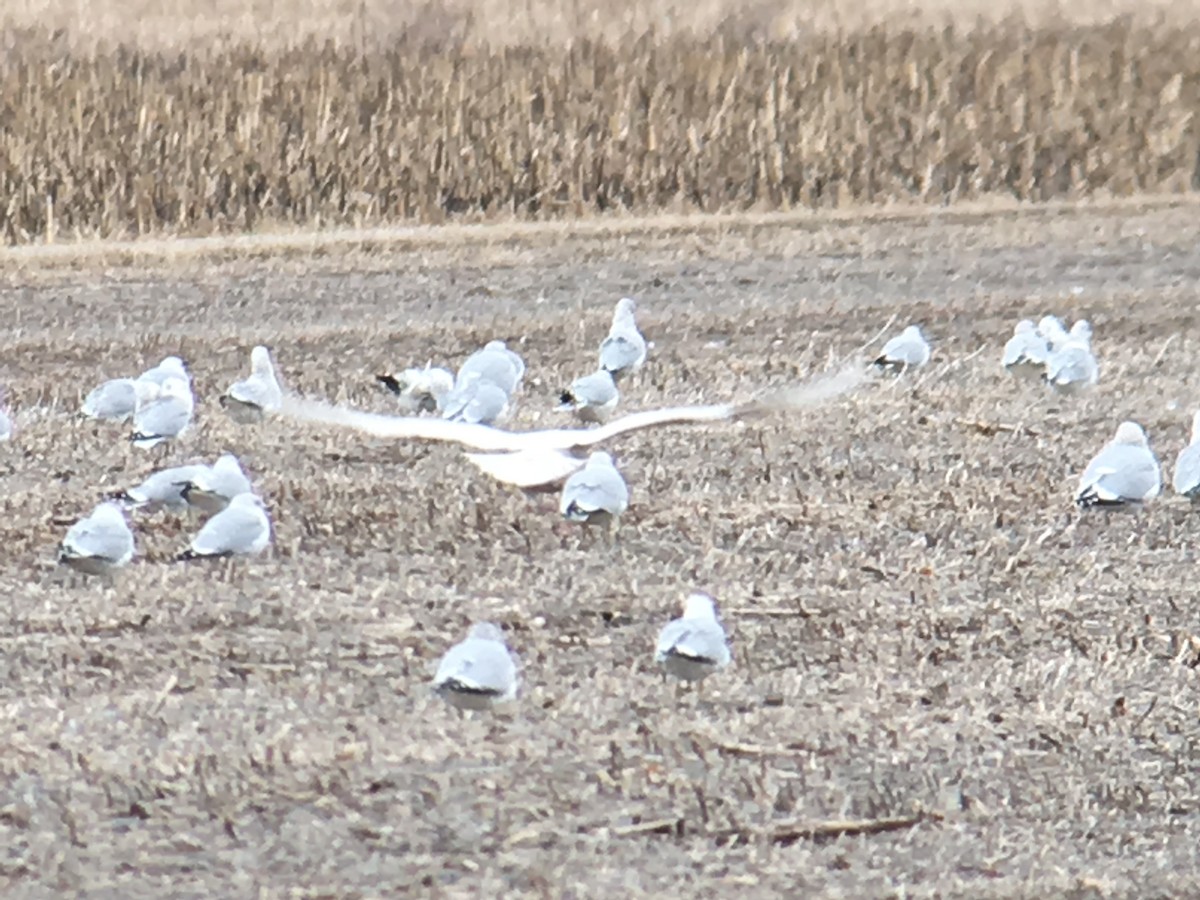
{"type": "Point", "coordinates": [164, 411]}
{"type": "Point", "coordinates": [693, 646]}
{"type": "Point", "coordinates": [99, 543]}
{"type": "Point", "coordinates": [1026, 352]}
{"type": "Point", "coordinates": [540, 459]}
{"type": "Point", "coordinates": [596, 494]}
{"type": "Point", "coordinates": [1072, 367]}
{"type": "Point", "coordinates": [114, 400]}
{"type": "Point", "coordinates": [248, 400]}
{"type": "Point", "coordinates": [623, 350]}
{"type": "Point", "coordinates": [212, 487]}
{"type": "Point", "coordinates": [1124, 472]}
{"type": "Point", "coordinates": [479, 672]}
{"type": "Point", "coordinates": [1186, 479]}
{"type": "Point", "coordinates": [241, 529]}
{"type": "Point", "coordinates": [170, 367]}
{"type": "Point", "coordinates": [162, 489]}
{"type": "Point", "coordinates": [592, 398]}
{"type": "Point", "coordinates": [907, 350]}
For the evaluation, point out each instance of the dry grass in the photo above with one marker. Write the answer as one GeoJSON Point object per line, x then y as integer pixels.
{"type": "Point", "coordinates": [441, 112]}
{"type": "Point", "coordinates": [921, 621]}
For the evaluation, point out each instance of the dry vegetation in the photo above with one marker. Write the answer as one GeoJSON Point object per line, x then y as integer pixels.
{"type": "Point", "coordinates": [123, 120]}
{"type": "Point", "coordinates": [946, 681]}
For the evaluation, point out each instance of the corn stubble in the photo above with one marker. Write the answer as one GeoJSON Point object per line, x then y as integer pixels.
{"type": "Point", "coordinates": [120, 141]}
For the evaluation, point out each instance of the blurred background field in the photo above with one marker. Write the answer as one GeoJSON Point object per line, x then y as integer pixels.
{"type": "Point", "coordinates": [198, 117]}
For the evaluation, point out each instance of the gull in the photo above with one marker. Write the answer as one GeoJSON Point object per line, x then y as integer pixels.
{"type": "Point", "coordinates": [592, 398]}
{"type": "Point", "coordinates": [624, 349]}
{"type": "Point", "coordinates": [907, 350]}
{"type": "Point", "coordinates": [494, 363]}
{"type": "Point", "coordinates": [477, 401]}
{"type": "Point", "coordinates": [212, 487]}
{"type": "Point", "coordinates": [1072, 367]}
{"type": "Point", "coordinates": [164, 412]}
{"type": "Point", "coordinates": [240, 529]}
{"type": "Point", "coordinates": [596, 494]}
{"type": "Point", "coordinates": [420, 390]}
{"type": "Point", "coordinates": [114, 400]}
{"type": "Point", "coordinates": [170, 367]}
{"type": "Point", "coordinates": [478, 672]}
{"type": "Point", "coordinates": [163, 488]}
{"type": "Point", "coordinates": [1124, 472]}
{"type": "Point", "coordinates": [248, 400]}
{"type": "Point", "coordinates": [1026, 352]}
{"type": "Point", "coordinates": [541, 459]}
{"type": "Point", "coordinates": [694, 646]}
{"type": "Point", "coordinates": [6, 425]}
{"type": "Point", "coordinates": [1187, 465]}
{"type": "Point", "coordinates": [98, 544]}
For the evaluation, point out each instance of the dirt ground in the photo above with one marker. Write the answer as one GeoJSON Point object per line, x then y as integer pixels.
{"type": "Point", "coordinates": [946, 681]}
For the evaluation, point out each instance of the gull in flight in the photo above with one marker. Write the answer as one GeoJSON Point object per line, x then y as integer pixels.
{"type": "Point", "coordinates": [164, 411]}
{"type": "Point", "coordinates": [162, 489]}
{"type": "Point", "coordinates": [623, 351]}
{"type": "Point", "coordinates": [542, 459]}
{"type": "Point", "coordinates": [907, 350]}
{"type": "Point", "coordinates": [694, 646]}
{"type": "Point", "coordinates": [240, 529]}
{"type": "Point", "coordinates": [479, 671]}
{"type": "Point", "coordinates": [420, 390]}
{"type": "Point", "coordinates": [1187, 465]}
{"type": "Point", "coordinates": [248, 400]}
{"type": "Point", "coordinates": [98, 544]}
{"type": "Point", "coordinates": [212, 487]}
{"type": "Point", "coordinates": [1026, 352]}
{"type": "Point", "coordinates": [596, 494]}
{"type": "Point", "coordinates": [592, 398]}
{"type": "Point", "coordinates": [1124, 472]}
{"type": "Point", "coordinates": [1072, 367]}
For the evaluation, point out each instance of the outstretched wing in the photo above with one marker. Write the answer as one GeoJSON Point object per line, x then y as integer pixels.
{"type": "Point", "coordinates": [530, 470]}
{"type": "Point", "coordinates": [497, 440]}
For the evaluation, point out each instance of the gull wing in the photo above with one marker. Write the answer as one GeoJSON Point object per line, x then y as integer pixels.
{"type": "Point", "coordinates": [529, 470]}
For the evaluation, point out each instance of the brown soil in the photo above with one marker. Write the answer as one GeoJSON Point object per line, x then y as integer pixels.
{"type": "Point", "coordinates": [945, 680]}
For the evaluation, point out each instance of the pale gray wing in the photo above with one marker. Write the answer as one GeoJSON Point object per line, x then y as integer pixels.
{"type": "Point", "coordinates": [6, 426]}
{"type": "Point", "coordinates": [482, 437]}
{"type": "Point", "coordinates": [228, 480]}
{"type": "Point", "coordinates": [113, 400]}
{"type": "Point", "coordinates": [595, 489]}
{"type": "Point", "coordinates": [696, 639]}
{"type": "Point", "coordinates": [233, 530]}
{"type": "Point", "coordinates": [1025, 347]}
{"type": "Point", "coordinates": [1120, 473]}
{"type": "Point", "coordinates": [496, 366]}
{"type": "Point", "coordinates": [479, 665]}
{"type": "Point", "coordinates": [596, 389]}
{"type": "Point", "coordinates": [478, 403]}
{"type": "Point", "coordinates": [257, 390]}
{"type": "Point", "coordinates": [1186, 480]}
{"type": "Point", "coordinates": [622, 350]}
{"type": "Point", "coordinates": [166, 417]}
{"type": "Point", "coordinates": [1074, 364]}
{"type": "Point", "coordinates": [100, 538]}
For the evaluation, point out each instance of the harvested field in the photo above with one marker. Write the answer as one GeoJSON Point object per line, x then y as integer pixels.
{"type": "Point", "coordinates": [945, 681]}
{"type": "Point", "coordinates": [292, 115]}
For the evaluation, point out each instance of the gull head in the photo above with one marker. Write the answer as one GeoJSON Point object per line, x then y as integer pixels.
{"type": "Point", "coordinates": [1082, 330]}
{"type": "Point", "coordinates": [626, 307]}
{"type": "Point", "coordinates": [247, 500]}
{"type": "Point", "coordinates": [486, 631]}
{"type": "Point", "coordinates": [1024, 327]}
{"type": "Point", "coordinates": [1130, 433]}
{"type": "Point", "coordinates": [699, 605]}
{"type": "Point", "coordinates": [175, 366]}
{"type": "Point", "coordinates": [600, 458]}
{"type": "Point", "coordinates": [108, 513]}
{"type": "Point", "coordinates": [260, 361]}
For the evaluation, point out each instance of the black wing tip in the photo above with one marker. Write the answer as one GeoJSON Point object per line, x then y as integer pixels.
{"type": "Point", "coordinates": [1091, 500]}
{"type": "Point", "coordinates": [390, 382]}
{"type": "Point", "coordinates": [453, 685]}
{"type": "Point", "coordinates": [189, 555]}
{"type": "Point", "coordinates": [566, 398]}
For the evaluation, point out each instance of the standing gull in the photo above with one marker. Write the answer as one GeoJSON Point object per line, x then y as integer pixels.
{"type": "Point", "coordinates": [907, 350]}
{"type": "Point", "coordinates": [164, 412]}
{"type": "Point", "coordinates": [624, 349]}
{"type": "Point", "coordinates": [99, 543]}
{"type": "Point", "coordinates": [1124, 472]}
{"type": "Point", "coordinates": [494, 363]}
{"type": "Point", "coordinates": [1186, 480]}
{"type": "Point", "coordinates": [1026, 352]}
{"type": "Point", "coordinates": [240, 529]}
{"type": "Point", "coordinates": [478, 672]}
{"type": "Point", "coordinates": [248, 400]}
{"type": "Point", "coordinates": [592, 398]}
{"type": "Point", "coordinates": [596, 494]}
{"type": "Point", "coordinates": [694, 646]}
